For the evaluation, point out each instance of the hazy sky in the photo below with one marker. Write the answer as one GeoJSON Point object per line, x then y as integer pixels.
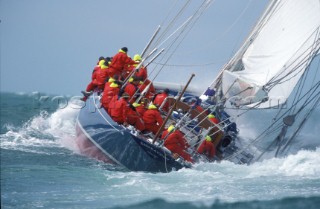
{"type": "Point", "coordinates": [51, 46]}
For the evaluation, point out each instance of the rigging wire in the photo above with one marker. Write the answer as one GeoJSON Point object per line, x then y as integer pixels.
{"type": "Point", "coordinates": [172, 22]}
{"type": "Point", "coordinates": [303, 106]}
{"type": "Point", "coordinates": [284, 128]}
{"type": "Point", "coordinates": [301, 124]}
{"type": "Point", "coordinates": [208, 64]}
{"type": "Point", "coordinates": [193, 19]}
{"type": "Point", "coordinates": [302, 82]}
{"type": "Point", "coordinates": [189, 65]}
{"type": "Point", "coordinates": [278, 79]}
{"type": "Point", "coordinates": [316, 86]}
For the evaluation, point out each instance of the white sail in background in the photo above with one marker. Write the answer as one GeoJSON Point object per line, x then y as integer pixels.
{"type": "Point", "coordinates": [272, 60]}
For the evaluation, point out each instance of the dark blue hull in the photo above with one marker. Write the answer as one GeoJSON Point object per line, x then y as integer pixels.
{"type": "Point", "coordinates": [119, 145]}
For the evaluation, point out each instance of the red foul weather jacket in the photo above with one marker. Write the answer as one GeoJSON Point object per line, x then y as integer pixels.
{"type": "Point", "coordinates": [152, 117]}
{"type": "Point", "coordinates": [159, 99]}
{"type": "Point", "coordinates": [152, 120]}
{"type": "Point", "coordinates": [112, 103]}
{"type": "Point", "coordinates": [176, 143]}
{"type": "Point", "coordinates": [133, 118]}
{"type": "Point", "coordinates": [151, 90]}
{"type": "Point", "coordinates": [130, 89]}
{"type": "Point", "coordinates": [100, 76]}
{"type": "Point", "coordinates": [93, 76]}
{"type": "Point", "coordinates": [141, 110]}
{"type": "Point", "coordinates": [108, 93]}
{"type": "Point", "coordinates": [142, 72]}
{"type": "Point", "coordinates": [120, 110]}
{"type": "Point", "coordinates": [119, 62]}
{"type": "Point", "coordinates": [207, 148]}
{"type": "Point", "coordinates": [93, 84]}
{"type": "Point", "coordinates": [214, 120]}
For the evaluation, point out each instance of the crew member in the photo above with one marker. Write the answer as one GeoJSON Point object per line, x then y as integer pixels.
{"type": "Point", "coordinates": [150, 92]}
{"type": "Point", "coordinates": [120, 61]}
{"type": "Point", "coordinates": [101, 74]}
{"type": "Point", "coordinates": [152, 119]}
{"type": "Point", "coordinates": [142, 106]}
{"type": "Point", "coordinates": [141, 72]}
{"type": "Point", "coordinates": [120, 110]}
{"type": "Point", "coordinates": [160, 98]}
{"type": "Point", "coordinates": [176, 143]}
{"type": "Point", "coordinates": [207, 148]}
{"type": "Point", "coordinates": [213, 119]}
{"type": "Point", "coordinates": [134, 119]}
{"type": "Point", "coordinates": [91, 86]}
{"type": "Point", "coordinates": [111, 89]}
{"type": "Point", "coordinates": [110, 80]}
{"type": "Point", "coordinates": [132, 88]}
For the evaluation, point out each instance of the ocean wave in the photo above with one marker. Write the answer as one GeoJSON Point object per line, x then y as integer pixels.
{"type": "Point", "coordinates": [295, 175]}
{"type": "Point", "coordinates": [43, 130]}
{"type": "Point", "coordinates": [286, 203]}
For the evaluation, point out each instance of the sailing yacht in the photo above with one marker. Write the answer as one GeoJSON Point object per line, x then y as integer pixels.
{"type": "Point", "coordinates": [269, 74]}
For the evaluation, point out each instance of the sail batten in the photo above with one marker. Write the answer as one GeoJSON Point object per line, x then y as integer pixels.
{"type": "Point", "coordinates": [275, 55]}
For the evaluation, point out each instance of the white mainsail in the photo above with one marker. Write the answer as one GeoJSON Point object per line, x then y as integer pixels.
{"type": "Point", "coordinates": [274, 57]}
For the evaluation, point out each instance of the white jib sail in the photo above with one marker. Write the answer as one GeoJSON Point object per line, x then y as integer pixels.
{"type": "Point", "coordinates": [276, 58]}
